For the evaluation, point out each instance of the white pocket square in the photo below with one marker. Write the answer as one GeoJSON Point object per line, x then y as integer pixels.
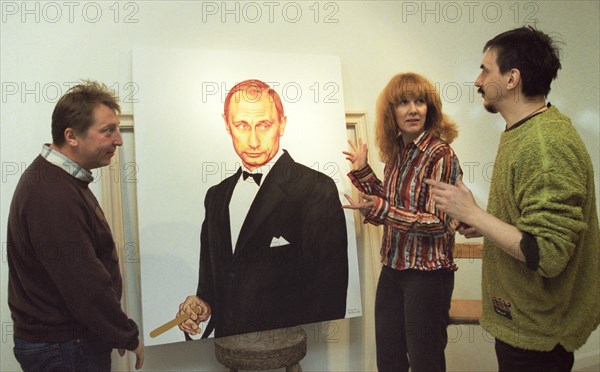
{"type": "Point", "coordinates": [278, 241]}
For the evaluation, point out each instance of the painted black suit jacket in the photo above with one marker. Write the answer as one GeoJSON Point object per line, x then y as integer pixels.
{"type": "Point", "coordinates": [262, 287]}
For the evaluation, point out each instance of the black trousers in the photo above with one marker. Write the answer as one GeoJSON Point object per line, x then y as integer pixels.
{"type": "Point", "coordinates": [411, 317]}
{"type": "Point", "coordinates": [514, 359]}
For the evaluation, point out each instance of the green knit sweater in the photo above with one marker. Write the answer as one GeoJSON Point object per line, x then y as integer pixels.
{"type": "Point", "coordinates": [543, 184]}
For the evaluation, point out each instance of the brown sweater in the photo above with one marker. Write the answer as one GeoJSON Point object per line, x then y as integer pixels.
{"type": "Point", "coordinates": [64, 280]}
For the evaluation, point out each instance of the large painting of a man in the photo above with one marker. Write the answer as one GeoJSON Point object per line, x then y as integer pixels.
{"type": "Point", "coordinates": [252, 256]}
{"type": "Point", "coordinates": [274, 247]}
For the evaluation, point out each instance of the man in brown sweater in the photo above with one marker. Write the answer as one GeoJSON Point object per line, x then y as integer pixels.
{"type": "Point", "coordinates": [64, 285]}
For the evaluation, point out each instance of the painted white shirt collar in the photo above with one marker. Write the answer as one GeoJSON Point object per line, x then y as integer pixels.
{"type": "Point", "coordinates": [265, 169]}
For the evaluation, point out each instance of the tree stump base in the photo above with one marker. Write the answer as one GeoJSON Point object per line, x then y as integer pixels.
{"type": "Point", "coordinates": [263, 350]}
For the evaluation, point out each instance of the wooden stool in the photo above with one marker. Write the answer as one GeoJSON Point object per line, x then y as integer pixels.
{"type": "Point", "coordinates": [465, 311]}
{"type": "Point", "coordinates": [263, 350]}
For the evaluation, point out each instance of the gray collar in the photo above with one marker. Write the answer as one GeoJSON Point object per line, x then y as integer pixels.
{"type": "Point", "coordinates": [66, 164]}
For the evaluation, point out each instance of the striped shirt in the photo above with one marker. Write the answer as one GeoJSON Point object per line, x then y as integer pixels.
{"type": "Point", "coordinates": [416, 235]}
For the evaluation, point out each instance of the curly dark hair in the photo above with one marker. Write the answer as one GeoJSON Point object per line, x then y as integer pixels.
{"type": "Point", "coordinates": [533, 53]}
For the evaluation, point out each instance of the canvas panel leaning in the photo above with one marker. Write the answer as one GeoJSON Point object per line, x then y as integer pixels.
{"type": "Point", "coordinates": [248, 254]}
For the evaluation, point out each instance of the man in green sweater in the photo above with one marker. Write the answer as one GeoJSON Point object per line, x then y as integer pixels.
{"type": "Point", "coordinates": [541, 260]}
{"type": "Point", "coordinates": [64, 283]}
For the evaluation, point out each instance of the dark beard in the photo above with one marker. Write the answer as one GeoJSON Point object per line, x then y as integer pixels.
{"type": "Point", "coordinates": [490, 107]}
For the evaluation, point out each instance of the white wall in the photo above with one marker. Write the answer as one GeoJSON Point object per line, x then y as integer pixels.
{"type": "Point", "coordinates": [47, 46]}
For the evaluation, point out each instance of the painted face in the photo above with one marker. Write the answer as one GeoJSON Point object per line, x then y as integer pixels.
{"type": "Point", "coordinates": [411, 114]}
{"type": "Point", "coordinates": [490, 82]}
{"type": "Point", "coordinates": [255, 128]}
{"type": "Point", "coordinates": [98, 144]}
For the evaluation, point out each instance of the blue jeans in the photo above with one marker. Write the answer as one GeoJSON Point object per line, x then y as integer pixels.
{"type": "Point", "coordinates": [74, 355]}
